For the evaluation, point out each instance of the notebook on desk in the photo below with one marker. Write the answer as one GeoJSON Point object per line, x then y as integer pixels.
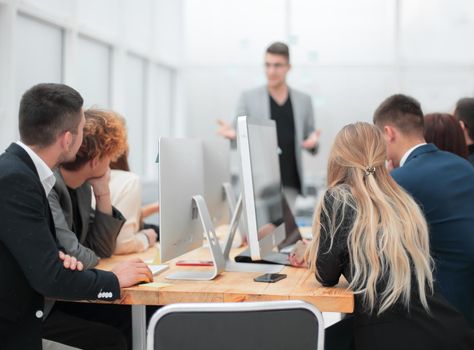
{"type": "Point", "coordinates": [292, 235]}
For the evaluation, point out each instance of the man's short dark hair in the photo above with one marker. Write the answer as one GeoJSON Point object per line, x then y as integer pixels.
{"type": "Point", "coordinates": [279, 48]}
{"type": "Point", "coordinates": [403, 112]}
{"type": "Point", "coordinates": [465, 112]}
{"type": "Point", "coordinates": [46, 111]}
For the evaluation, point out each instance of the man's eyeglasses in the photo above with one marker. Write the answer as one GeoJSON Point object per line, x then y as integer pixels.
{"type": "Point", "coordinates": [275, 65]}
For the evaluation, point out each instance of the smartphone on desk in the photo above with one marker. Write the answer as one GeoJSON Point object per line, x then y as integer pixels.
{"type": "Point", "coordinates": [270, 277]}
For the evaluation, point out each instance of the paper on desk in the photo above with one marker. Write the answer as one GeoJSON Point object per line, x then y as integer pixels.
{"type": "Point", "coordinates": [155, 285]}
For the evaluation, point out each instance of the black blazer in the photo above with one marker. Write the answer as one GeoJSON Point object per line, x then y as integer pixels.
{"type": "Point", "coordinates": [443, 184]}
{"type": "Point", "coordinates": [30, 268]}
{"type": "Point", "coordinates": [397, 328]}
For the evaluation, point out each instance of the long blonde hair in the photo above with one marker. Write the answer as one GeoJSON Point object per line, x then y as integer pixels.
{"type": "Point", "coordinates": [388, 240]}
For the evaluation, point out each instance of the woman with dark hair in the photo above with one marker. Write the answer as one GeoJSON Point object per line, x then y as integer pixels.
{"type": "Point", "coordinates": [444, 131]}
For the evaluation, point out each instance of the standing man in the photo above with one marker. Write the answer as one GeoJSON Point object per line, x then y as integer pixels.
{"type": "Point", "coordinates": [464, 113]}
{"type": "Point", "coordinates": [51, 122]}
{"type": "Point", "coordinates": [292, 111]}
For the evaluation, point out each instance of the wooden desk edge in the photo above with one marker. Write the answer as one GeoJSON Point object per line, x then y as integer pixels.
{"type": "Point", "coordinates": [340, 300]}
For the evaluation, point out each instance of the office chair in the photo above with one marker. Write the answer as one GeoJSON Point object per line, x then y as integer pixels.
{"type": "Point", "coordinates": [271, 325]}
{"type": "Point", "coordinates": [51, 345]}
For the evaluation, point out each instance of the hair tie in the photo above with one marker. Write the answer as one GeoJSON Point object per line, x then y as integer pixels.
{"type": "Point", "coordinates": [369, 170]}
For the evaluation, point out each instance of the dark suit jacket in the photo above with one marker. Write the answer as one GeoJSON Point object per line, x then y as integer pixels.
{"type": "Point", "coordinates": [443, 184]}
{"type": "Point", "coordinates": [471, 154]}
{"type": "Point", "coordinates": [30, 268]}
{"type": "Point", "coordinates": [99, 231]}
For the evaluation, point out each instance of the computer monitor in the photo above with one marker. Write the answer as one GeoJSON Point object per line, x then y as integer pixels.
{"type": "Point", "coordinates": [184, 215]}
{"type": "Point", "coordinates": [261, 184]}
{"type": "Point", "coordinates": [216, 166]}
{"type": "Point", "coordinates": [180, 178]}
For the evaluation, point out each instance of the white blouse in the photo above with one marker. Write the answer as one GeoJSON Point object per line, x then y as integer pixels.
{"type": "Point", "coordinates": [126, 194]}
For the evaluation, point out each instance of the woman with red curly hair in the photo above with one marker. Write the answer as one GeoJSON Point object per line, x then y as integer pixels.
{"type": "Point", "coordinates": [84, 232]}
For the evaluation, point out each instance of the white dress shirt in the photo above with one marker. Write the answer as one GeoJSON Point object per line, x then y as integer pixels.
{"type": "Point", "coordinates": [45, 174]}
{"type": "Point", "coordinates": [407, 153]}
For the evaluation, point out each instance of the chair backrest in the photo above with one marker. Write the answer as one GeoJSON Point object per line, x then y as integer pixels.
{"type": "Point", "coordinates": [272, 325]}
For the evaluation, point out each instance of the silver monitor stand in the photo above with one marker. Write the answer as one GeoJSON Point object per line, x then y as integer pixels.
{"type": "Point", "coordinates": [233, 266]}
{"type": "Point", "coordinates": [230, 195]}
{"type": "Point", "coordinates": [200, 208]}
{"type": "Point", "coordinates": [221, 260]}
{"type": "Point", "coordinates": [232, 203]}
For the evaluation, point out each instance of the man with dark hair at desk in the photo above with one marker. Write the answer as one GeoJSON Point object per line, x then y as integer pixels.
{"type": "Point", "coordinates": [464, 113]}
{"type": "Point", "coordinates": [50, 121]}
{"type": "Point", "coordinates": [443, 184]}
{"type": "Point", "coordinates": [292, 110]}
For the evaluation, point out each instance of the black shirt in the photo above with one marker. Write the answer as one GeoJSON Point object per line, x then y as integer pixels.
{"type": "Point", "coordinates": [285, 126]}
{"type": "Point", "coordinates": [76, 218]}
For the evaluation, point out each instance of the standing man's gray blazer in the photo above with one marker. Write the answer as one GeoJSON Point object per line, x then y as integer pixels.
{"type": "Point", "coordinates": [255, 103]}
{"type": "Point", "coordinates": [99, 230]}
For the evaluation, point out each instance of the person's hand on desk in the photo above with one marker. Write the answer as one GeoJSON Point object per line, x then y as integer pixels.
{"type": "Point", "coordinates": [132, 272]}
{"type": "Point", "coordinates": [70, 262]}
{"type": "Point", "coordinates": [312, 141]}
{"type": "Point", "coordinates": [226, 130]}
{"type": "Point", "coordinates": [296, 257]}
{"type": "Point", "coordinates": [151, 235]}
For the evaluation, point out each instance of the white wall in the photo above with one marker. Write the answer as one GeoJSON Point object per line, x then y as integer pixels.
{"type": "Point", "coordinates": [94, 66]}
{"type": "Point", "coordinates": [172, 67]}
{"type": "Point", "coordinates": [119, 54]}
{"type": "Point", "coordinates": [349, 55]}
{"type": "Point", "coordinates": [42, 42]}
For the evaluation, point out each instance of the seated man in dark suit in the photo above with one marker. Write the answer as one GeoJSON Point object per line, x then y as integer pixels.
{"type": "Point", "coordinates": [51, 121]}
{"type": "Point", "coordinates": [443, 184]}
{"type": "Point", "coordinates": [464, 113]}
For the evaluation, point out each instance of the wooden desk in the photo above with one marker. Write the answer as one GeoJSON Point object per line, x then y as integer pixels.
{"type": "Point", "coordinates": [227, 287]}
{"type": "Point", "coordinates": [232, 287]}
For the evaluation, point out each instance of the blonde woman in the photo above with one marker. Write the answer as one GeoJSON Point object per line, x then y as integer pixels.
{"type": "Point", "coordinates": [370, 230]}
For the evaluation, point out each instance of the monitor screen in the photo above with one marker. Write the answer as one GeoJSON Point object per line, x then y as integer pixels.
{"type": "Point", "coordinates": [180, 178]}
{"type": "Point", "coordinates": [266, 180]}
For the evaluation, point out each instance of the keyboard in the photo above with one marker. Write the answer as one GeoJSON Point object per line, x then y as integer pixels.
{"type": "Point", "coordinates": [157, 269]}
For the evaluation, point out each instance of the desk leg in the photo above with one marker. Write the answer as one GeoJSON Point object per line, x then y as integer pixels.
{"type": "Point", "coordinates": [139, 327]}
